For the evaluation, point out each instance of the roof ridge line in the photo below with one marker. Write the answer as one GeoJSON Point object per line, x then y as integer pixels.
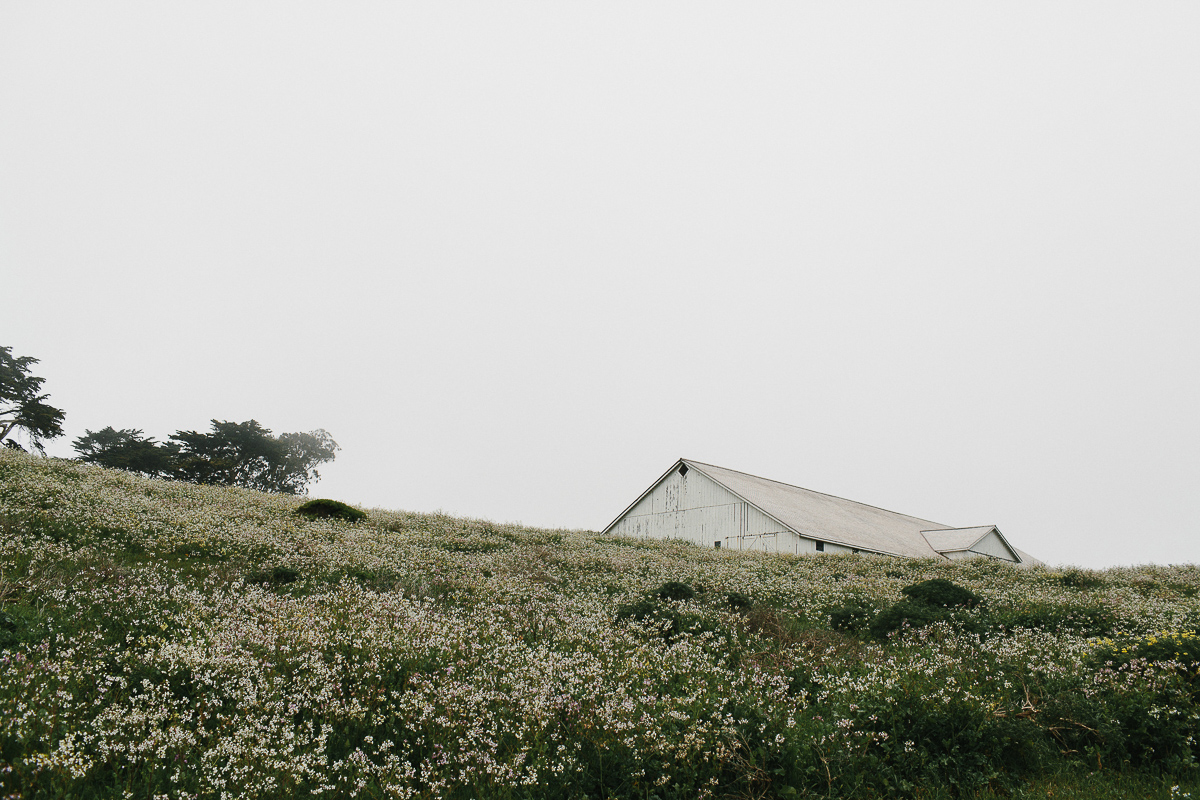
{"type": "Point", "coordinates": [748, 501]}
{"type": "Point", "coordinates": [826, 494]}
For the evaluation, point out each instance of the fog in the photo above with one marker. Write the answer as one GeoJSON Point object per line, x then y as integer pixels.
{"type": "Point", "coordinates": [518, 258]}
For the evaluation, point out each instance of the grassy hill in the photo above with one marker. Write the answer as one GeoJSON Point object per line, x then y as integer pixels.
{"type": "Point", "coordinates": [165, 639]}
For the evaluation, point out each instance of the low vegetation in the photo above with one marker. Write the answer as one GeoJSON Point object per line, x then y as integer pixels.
{"type": "Point", "coordinates": [322, 508]}
{"type": "Point", "coordinates": [165, 639]}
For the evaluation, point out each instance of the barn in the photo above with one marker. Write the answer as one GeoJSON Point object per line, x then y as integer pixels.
{"type": "Point", "coordinates": [717, 507]}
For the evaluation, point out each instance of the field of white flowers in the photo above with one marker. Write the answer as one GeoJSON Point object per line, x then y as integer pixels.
{"type": "Point", "coordinates": [161, 639]}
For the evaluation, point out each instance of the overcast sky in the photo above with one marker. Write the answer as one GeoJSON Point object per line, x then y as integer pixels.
{"type": "Point", "coordinates": [519, 257]}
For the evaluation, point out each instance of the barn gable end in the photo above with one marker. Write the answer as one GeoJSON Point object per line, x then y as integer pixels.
{"type": "Point", "coordinates": [686, 503]}
{"type": "Point", "coordinates": [959, 543]}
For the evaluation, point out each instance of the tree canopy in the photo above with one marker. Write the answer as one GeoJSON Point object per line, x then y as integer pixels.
{"type": "Point", "coordinates": [22, 405]}
{"type": "Point", "coordinates": [246, 454]}
{"type": "Point", "coordinates": [127, 449]}
{"type": "Point", "coordinates": [231, 454]}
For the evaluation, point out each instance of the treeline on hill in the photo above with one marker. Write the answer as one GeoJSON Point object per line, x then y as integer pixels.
{"type": "Point", "coordinates": [231, 454]}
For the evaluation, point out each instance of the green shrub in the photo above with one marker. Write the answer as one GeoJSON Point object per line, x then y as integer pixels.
{"type": "Point", "coordinates": [650, 612]}
{"type": "Point", "coordinates": [852, 617]}
{"type": "Point", "coordinates": [1080, 579]}
{"type": "Point", "coordinates": [738, 601]}
{"type": "Point", "coordinates": [801, 679]}
{"type": "Point", "coordinates": [925, 602]}
{"type": "Point", "coordinates": [942, 593]}
{"type": "Point", "coordinates": [642, 610]}
{"type": "Point", "coordinates": [668, 621]}
{"type": "Point", "coordinates": [213, 551]}
{"type": "Point", "coordinates": [1080, 620]}
{"type": "Point", "coordinates": [909, 613]}
{"type": "Point", "coordinates": [674, 590]}
{"type": "Point", "coordinates": [277, 576]}
{"type": "Point", "coordinates": [935, 742]}
{"type": "Point", "coordinates": [21, 624]}
{"type": "Point", "coordinates": [1121, 728]}
{"type": "Point", "coordinates": [330, 509]}
{"type": "Point", "coordinates": [1147, 587]}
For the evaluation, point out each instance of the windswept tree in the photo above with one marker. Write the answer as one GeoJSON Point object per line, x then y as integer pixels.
{"type": "Point", "coordinates": [127, 449]}
{"type": "Point", "coordinates": [231, 454]}
{"type": "Point", "coordinates": [247, 454]}
{"type": "Point", "coordinates": [22, 405]}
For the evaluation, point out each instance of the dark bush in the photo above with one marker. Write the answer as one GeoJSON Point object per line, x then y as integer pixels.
{"type": "Point", "coordinates": [284, 575]}
{"type": "Point", "coordinates": [801, 679]}
{"type": "Point", "coordinates": [853, 617]}
{"type": "Point", "coordinates": [942, 593]}
{"type": "Point", "coordinates": [911, 612]}
{"type": "Point", "coordinates": [1146, 587]}
{"type": "Point", "coordinates": [938, 742]}
{"type": "Point", "coordinates": [738, 601]}
{"type": "Point", "coordinates": [1123, 728]}
{"type": "Point", "coordinates": [19, 626]}
{"type": "Point", "coordinates": [330, 509]}
{"type": "Point", "coordinates": [674, 590]}
{"type": "Point", "coordinates": [1080, 579]}
{"type": "Point", "coordinates": [277, 576]}
{"type": "Point", "coordinates": [642, 610]}
{"type": "Point", "coordinates": [1081, 620]}
{"type": "Point", "coordinates": [649, 611]}
{"type": "Point", "coordinates": [668, 621]}
{"type": "Point", "coordinates": [8, 630]}
{"type": "Point", "coordinates": [378, 580]}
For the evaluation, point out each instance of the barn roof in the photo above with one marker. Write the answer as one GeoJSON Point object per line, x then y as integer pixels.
{"type": "Point", "coordinates": [946, 541]}
{"type": "Point", "coordinates": [828, 518]}
{"type": "Point", "coordinates": [856, 525]}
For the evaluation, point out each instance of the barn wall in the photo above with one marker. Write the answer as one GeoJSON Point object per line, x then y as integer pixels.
{"type": "Point", "coordinates": [992, 545]}
{"type": "Point", "coordinates": [810, 546]}
{"type": "Point", "coordinates": [696, 508]}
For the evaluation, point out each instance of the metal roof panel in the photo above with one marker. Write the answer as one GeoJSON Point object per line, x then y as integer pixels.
{"type": "Point", "coordinates": [828, 518]}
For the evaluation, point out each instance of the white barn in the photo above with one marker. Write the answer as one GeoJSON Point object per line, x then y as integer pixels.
{"type": "Point", "coordinates": [717, 507]}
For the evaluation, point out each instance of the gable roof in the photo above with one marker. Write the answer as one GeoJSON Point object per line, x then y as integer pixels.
{"type": "Point", "coordinates": [955, 539]}
{"type": "Point", "coordinates": [958, 540]}
{"type": "Point", "coordinates": [825, 517]}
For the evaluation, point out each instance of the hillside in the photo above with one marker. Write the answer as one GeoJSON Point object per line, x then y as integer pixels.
{"type": "Point", "coordinates": [161, 638]}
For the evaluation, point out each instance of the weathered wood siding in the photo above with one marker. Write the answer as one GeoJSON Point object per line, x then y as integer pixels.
{"type": "Point", "coordinates": [693, 507]}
